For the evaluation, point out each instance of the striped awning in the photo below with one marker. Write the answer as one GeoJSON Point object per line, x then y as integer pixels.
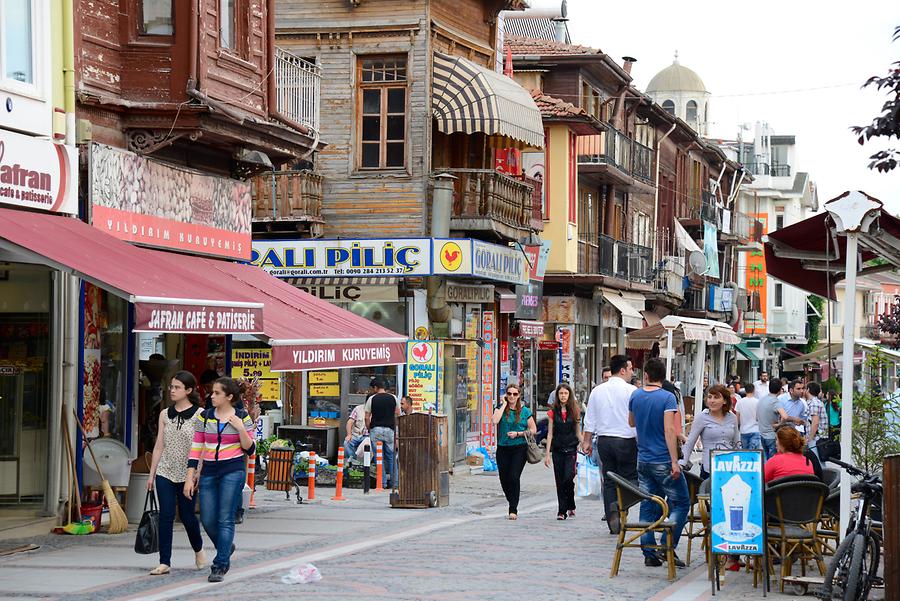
{"type": "Point", "coordinates": [469, 98]}
{"type": "Point", "coordinates": [339, 281]}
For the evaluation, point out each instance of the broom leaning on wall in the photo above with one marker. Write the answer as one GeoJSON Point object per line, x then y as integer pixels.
{"type": "Point", "coordinates": [118, 521]}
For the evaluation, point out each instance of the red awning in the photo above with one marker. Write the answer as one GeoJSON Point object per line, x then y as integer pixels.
{"type": "Point", "coordinates": [308, 333]}
{"type": "Point", "coordinates": [811, 256]}
{"type": "Point", "coordinates": [171, 293]}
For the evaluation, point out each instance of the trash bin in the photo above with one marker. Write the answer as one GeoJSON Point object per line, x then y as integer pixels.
{"type": "Point", "coordinates": [137, 494]}
{"type": "Point", "coordinates": [423, 461]}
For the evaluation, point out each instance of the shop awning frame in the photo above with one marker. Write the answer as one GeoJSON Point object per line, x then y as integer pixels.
{"type": "Point", "coordinates": [631, 317]}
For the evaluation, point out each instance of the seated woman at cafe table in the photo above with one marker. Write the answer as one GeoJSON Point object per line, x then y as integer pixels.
{"type": "Point", "coordinates": [789, 460]}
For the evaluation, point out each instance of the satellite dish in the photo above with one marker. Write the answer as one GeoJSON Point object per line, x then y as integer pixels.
{"type": "Point", "coordinates": [697, 262]}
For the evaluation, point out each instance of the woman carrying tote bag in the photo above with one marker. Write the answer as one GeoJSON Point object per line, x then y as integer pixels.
{"type": "Point", "coordinates": [168, 469]}
{"type": "Point", "coordinates": [512, 421]}
{"type": "Point", "coordinates": [563, 440]}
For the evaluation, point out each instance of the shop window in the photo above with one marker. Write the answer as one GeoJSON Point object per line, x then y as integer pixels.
{"type": "Point", "coordinates": [381, 112]}
{"type": "Point", "coordinates": [156, 17]}
{"type": "Point", "coordinates": [17, 20]}
{"type": "Point", "coordinates": [105, 349]}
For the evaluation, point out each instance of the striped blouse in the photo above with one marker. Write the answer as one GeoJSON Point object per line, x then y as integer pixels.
{"type": "Point", "coordinates": [218, 444]}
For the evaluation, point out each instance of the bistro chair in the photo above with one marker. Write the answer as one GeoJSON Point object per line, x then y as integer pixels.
{"type": "Point", "coordinates": [628, 495]}
{"type": "Point", "coordinates": [793, 510]}
{"type": "Point", "coordinates": [695, 527]}
{"type": "Point", "coordinates": [831, 477]}
{"type": "Point", "coordinates": [828, 526]}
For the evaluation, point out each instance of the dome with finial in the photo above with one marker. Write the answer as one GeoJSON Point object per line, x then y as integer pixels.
{"type": "Point", "coordinates": [676, 78]}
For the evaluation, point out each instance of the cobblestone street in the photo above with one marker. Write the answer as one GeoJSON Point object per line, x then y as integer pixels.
{"type": "Point", "coordinates": [366, 550]}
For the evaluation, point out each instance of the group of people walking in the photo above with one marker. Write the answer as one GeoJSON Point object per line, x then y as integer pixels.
{"type": "Point", "coordinates": [205, 450]}
{"type": "Point", "coordinates": [638, 433]}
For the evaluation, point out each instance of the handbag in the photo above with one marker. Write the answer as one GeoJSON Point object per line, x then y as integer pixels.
{"type": "Point", "coordinates": [533, 452]}
{"type": "Point", "coordinates": [146, 541]}
{"type": "Point", "coordinates": [587, 482]}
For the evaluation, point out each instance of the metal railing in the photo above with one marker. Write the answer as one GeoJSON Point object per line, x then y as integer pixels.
{"type": "Point", "coordinates": [642, 167]}
{"type": "Point", "coordinates": [624, 260]}
{"type": "Point", "coordinates": [297, 196]}
{"type": "Point", "coordinates": [614, 148]}
{"type": "Point", "coordinates": [773, 169]}
{"type": "Point", "coordinates": [297, 85]}
{"type": "Point", "coordinates": [489, 194]}
{"type": "Point", "coordinates": [695, 300]}
{"type": "Point", "coordinates": [746, 228]}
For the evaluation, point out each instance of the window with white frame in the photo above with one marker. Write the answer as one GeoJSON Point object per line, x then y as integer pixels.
{"type": "Point", "coordinates": [17, 48]}
{"type": "Point", "coordinates": [779, 295]}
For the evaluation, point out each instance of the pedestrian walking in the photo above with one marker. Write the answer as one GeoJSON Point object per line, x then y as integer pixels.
{"type": "Point", "coordinates": [652, 411]}
{"type": "Point", "coordinates": [512, 420]}
{"type": "Point", "coordinates": [563, 440]}
{"type": "Point", "coordinates": [607, 419]}
{"type": "Point", "coordinates": [795, 405]}
{"type": "Point", "coordinates": [716, 428]}
{"type": "Point", "coordinates": [745, 409]}
{"type": "Point", "coordinates": [223, 436]}
{"type": "Point", "coordinates": [818, 418]}
{"type": "Point", "coordinates": [770, 412]}
{"type": "Point", "coordinates": [382, 410]}
{"type": "Point", "coordinates": [168, 469]}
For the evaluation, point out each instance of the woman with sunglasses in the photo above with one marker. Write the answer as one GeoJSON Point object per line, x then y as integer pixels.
{"type": "Point", "coordinates": [512, 420]}
{"type": "Point", "coordinates": [223, 436]}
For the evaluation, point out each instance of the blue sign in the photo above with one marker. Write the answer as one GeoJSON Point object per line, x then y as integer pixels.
{"type": "Point", "coordinates": [737, 520]}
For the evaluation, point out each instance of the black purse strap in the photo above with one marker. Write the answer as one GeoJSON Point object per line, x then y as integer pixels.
{"type": "Point", "coordinates": [151, 500]}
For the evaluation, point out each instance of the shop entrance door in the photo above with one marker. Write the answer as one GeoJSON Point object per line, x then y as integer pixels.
{"type": "Point", "coordinates": [23, 437]}
{"type": "Point", "coordinates": [528, 356]}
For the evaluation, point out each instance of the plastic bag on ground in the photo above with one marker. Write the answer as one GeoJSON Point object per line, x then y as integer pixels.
{"type": "Point", "coordinates": [490, 464]}
{"type": "Point", "coordinates": [302, 575]}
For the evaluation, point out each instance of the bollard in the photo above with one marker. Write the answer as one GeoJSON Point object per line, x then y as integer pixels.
{"type": "Point", "coordinates": [367, 469]}
{"type": "Point", "coordinates": [891, 529]}
{"type": "Point", "coordinates": [339, 485]}
{"type": "Point", "coordinates": [379, 468]}
{"type": "Point", "coordinates": [311, 472]}
{"type": "Point", "coordinates": [251, 479]}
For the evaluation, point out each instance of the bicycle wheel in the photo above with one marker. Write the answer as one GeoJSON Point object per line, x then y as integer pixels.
{"type": "Point", "coordinates": [870, 560]}
{"type": "Point", "coordinates": [836, 574]}
{"type": "Point", "coordinates": [856, 575]}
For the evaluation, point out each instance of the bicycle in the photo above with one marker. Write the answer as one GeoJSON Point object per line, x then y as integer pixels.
{"type": "Point", "coordinates": [853, 570]}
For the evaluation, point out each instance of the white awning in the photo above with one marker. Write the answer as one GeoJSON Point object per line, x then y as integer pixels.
{"type": "Point", "coordinates": [684, 239]}
{"type": "Point", "coordinates": [631, 317]}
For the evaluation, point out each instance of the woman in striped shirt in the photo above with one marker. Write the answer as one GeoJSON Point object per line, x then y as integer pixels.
{"type": "Point", "coordinates": [223, 436]}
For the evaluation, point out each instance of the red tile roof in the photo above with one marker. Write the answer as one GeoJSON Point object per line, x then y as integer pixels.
{"type": "Point", "coordinates": [533, 46]}
{"type": "Point", "coordinates": [551, 107]}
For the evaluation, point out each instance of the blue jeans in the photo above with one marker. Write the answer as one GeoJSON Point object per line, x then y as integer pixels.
{"type": "Point", "coordinates": [169, 495]}
{"type": "Point", "coordinates": [768, 445]}
{"type": "Point", "coordinates": [386, 436]}
{"type": "Point", "coordinates": [220, 497]}
{"type": "Point", "coordinates": [350, 448]}
{"type": "Point", "coordinates": [750, 441]}
{"type": "Point", "coordinates": [656, 479]}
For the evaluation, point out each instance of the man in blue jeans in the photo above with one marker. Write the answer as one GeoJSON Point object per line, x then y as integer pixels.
{"type": "Point", "coordinates": [382, 410]}
{"type": "Point", "coordinates": [651, 411]}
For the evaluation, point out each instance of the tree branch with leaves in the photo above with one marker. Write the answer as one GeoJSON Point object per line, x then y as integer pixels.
{"type": "Point", "coordinates": [887, 124]}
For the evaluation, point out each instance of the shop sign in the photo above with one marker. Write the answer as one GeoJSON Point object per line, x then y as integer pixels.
{"type": "Point", "coordinates": [343, 258]}
{"type": "Point", "coordinates": [737, 520]}
{"type": "Point", "coordinates": [9, 370]}
{"type": "Point", "coordinates": [473, 319]}
{"type": "Point", "coordinates": [755, 282]}
{"type": "Point", "coordinates": [487, 379]}
{"type": "Point", "coordinates": [197, 319]}
{"type": "Point", "coordinates": [531, 329]}
{"type": "Point", "coordinates": [453, 257]}
{"type": "Point", "coordinates": [465, 293]}
{"type": "Point", "coordinates": [570, 309]}
{"type": "Point", "coordinates": [302, 357]}
{"type": "Point", "coordinates": [257, 363]}
{"type": "Point", "coordinates": [421, 333]}
{"type": "Point", "coordinates": [38, 174]}
{"type": "Point", "coordinates": [565, 336]}
{"type": "Point", "coordinates": [353, 294]}
{"type": "Point", "coordinates": [323, 377]}
{"type": "Point", "coordinates": [538, 256]}
{"type": "Point", "coordinates": [548, 345]}
{"type": "Point", "coordinates": [501, 263]}
{"type": "Point", "coordinates": [147, 202]}
{"type": "Point", "coordinates": [422, 367]}
{"type": "Point", "coordinates": [528, 300]}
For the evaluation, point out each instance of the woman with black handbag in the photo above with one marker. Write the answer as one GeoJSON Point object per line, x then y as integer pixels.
{"type": "Point", "coordinates": [563, 440]}
{"type": "Point", "coordinates": [513, 420]}
{"type": "Point", "coordinates": [168, 469]}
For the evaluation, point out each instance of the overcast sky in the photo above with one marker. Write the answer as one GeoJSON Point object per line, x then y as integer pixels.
{"type": "Point", "coordinates": [752, 61]}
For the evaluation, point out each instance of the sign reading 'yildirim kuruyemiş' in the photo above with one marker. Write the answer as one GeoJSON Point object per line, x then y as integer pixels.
{"type": "Point", "coordinates": [38, 174]}
{"type": "Point", "coordinates": [737, 521]}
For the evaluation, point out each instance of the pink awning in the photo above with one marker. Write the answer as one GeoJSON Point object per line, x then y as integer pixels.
{"type": "Point", "coordinates": [308, 333]}
{"type": "Point", "coordinates": [171, 293]}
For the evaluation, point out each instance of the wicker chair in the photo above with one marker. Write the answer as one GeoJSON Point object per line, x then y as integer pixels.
{"type": "Point", "coordinates": [793, 510]}
{"type": "Point", "coordinates": [695, 526]}
{"type": "Point", "coordinates": [628, 495]}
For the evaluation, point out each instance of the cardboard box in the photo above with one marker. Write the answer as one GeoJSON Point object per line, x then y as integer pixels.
{"type": "Point", "coordinates": [477, 459]}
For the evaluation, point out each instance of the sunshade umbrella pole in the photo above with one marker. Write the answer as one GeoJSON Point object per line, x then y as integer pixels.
{"type": "Point", "coordinates": [722, 371]}
{"type": "Point", "coordinates": [847, 376]}
{"type": "Point", "coordinates": [668, 354]}
{"type": "Point", "coordinates": [699, 365]}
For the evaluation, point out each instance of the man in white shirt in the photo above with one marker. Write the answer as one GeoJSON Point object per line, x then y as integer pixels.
{"type": "Point", "coordinates": [761, 386]}
{"type": "Point", "coordinates": [607, 419]}
{"type": "Point", "coordinates": [745, 408]}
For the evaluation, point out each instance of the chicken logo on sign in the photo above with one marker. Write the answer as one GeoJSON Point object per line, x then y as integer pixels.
{"type": "Point", "coordinates": [451, 256]}
{"type": "Point", "coordinates": [422, 353]}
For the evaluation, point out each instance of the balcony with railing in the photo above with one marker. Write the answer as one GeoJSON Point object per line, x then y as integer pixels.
{"type": "Point", "coordinates": [287, 201]}
{"type": "Point", "coordinates": [695, 300]}
{"type": "Point", "coordinates": [297, 84]}
{"type": "Point", "coordinates": [615, 157]}
{"type": "Point", "coordinates": [623, 260]}
{"type": "Point", "coordinates": [773, 169]}
{"type": "Point", "coordinates": [487, 200]}
{"type": "Point", "coordinates": [749, 231]}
